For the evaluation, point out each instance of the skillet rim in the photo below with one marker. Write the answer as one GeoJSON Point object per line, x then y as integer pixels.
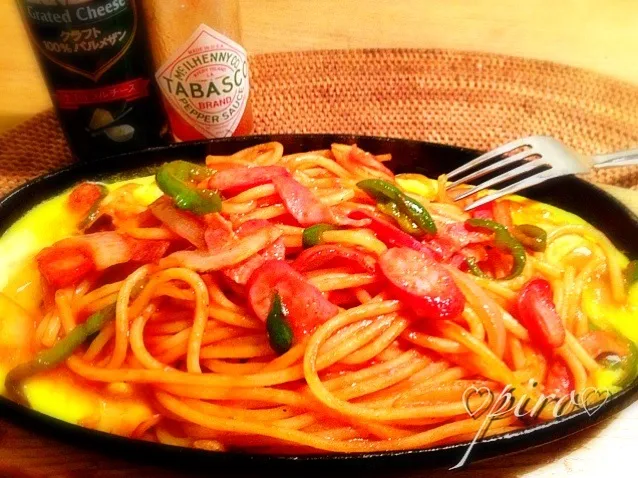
{"type": "Point", "coordinates": [429, 458]}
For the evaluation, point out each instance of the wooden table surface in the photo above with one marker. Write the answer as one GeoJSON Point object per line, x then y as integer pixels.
{"type": "Point", "coordinates": [600, 35]}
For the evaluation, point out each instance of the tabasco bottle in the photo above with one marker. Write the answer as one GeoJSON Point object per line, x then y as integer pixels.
{"type": "Point", "coordinates": [93, 54]}
{"type": "Point", "coordinates": [200, 67]}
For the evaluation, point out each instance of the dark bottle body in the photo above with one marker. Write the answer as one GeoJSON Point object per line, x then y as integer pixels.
{"type": "Point", "coordinates": [96, 63]}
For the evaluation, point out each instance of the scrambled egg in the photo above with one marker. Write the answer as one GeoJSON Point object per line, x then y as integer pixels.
{"type": "Point", "coordinates": [63, 396]}
{"type": "Point", "coordinates": [56, 393]}
{"type": "Point", "coordinates": [602, 311]}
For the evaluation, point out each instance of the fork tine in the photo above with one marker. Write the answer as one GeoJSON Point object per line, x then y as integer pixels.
{"type": "Point", "coordinates": [489, 155]}
{"type": "Point", "coordinates": [525, 168]}
{"type": "Point", "coordinates": [512, 188]}
{"type": "Point", "coordinates": [492, 167]}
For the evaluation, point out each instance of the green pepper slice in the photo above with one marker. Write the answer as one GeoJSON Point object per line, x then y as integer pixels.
{"type": "Point", "coordinates": [311, 236]}
{"type": "Point", "coordinates": [174, 179]}
{"type": "Point", "coordinates": [625, 367]}
{"type": "Point", "coordinates": [392, 209]}
{"type": "Point", "coordinates": [474, 268]}
{"type": "Point", "coordinates": [531, 236]}
{"type": "Point", "coordinates": [93, 213]}
{"type": "Point", "coordinates": [504, 241]}
{"type": "Point", "coordinates": [486, 224]}
{"type": "Point", "coordinates": [629, 366]}
{"type": "Point", "coordinates": [51, 358]}
{"type": "Point", "coordinates": [386, 192]}
{"type": "Point", "coordinates": [279, 332]}
{"type": "Point", "coordinates": [631, 273]}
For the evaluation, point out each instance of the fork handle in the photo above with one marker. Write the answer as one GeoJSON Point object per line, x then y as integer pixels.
{"type": "Point", "coordinates": [628, 157]}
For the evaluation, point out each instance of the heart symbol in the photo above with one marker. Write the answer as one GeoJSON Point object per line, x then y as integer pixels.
{"type": "Point", "coordinates": [592, 406]}
{"type": "Point", "coordinates": [481, 392]}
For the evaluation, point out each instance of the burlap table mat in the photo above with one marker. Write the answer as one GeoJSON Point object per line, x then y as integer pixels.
{"type": "Point", "coordinates": [470, 99]}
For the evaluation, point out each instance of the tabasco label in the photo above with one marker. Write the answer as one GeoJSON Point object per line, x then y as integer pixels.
{"type": "Point", "coordinates": [205, 85]}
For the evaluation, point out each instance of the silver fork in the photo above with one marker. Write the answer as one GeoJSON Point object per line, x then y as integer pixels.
{"type": "Point", "coordinates": [549, 156]}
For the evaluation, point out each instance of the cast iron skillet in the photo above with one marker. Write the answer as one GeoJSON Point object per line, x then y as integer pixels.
{"type": "Point", "coordinates": [572, 194]}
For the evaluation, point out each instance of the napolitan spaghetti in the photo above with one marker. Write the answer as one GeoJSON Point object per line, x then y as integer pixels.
{"type": "Point", "coordinates": [307, 303]}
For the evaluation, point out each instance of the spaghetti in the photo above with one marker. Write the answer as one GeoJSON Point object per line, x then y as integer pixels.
{"type": "Point", "coordinates": [315, 302]}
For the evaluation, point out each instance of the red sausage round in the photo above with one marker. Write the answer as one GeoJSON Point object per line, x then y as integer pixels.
{"type": "Point", "coordinates": [427, 289]}
{"type": "Point", "coordinates": [307, 307]}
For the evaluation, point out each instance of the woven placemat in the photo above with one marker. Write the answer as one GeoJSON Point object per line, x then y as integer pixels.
{"type": "Point", "coordinates": [469, 99]}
